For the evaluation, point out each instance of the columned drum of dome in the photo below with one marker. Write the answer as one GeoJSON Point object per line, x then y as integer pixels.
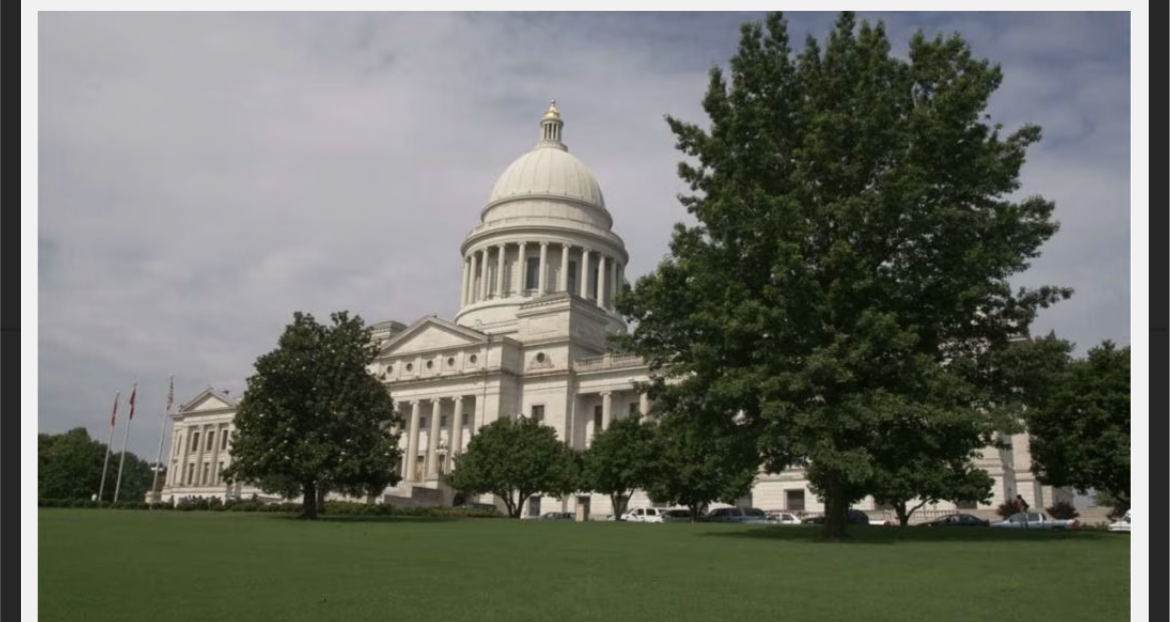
{"type": "Point", "coordinates": [544, 231]}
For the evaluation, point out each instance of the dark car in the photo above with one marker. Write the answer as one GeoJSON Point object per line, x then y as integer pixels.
{"type": "Point", "coordinates": [754, 516]}
{"type": "Point", "coordinates": [957, 520]}
{"type": "Point", "coordinates": [557, 516]}
{"type": "Point", "coordinates": [855, 517]}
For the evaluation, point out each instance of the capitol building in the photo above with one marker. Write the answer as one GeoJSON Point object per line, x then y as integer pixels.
{"type": "Point", "coordinates": [540, 271]}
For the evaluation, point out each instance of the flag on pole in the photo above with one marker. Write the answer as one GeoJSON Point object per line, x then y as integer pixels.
{"type": "Point", "coordinates": [114, 413]}
{"type": "Point", "coordinates": [133, 394]}
{"type": "Point", "coordinates": [171, 394]}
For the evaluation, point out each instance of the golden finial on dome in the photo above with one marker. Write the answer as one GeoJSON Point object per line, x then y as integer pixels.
{"type": "Point", "coordinates": [552, 112]}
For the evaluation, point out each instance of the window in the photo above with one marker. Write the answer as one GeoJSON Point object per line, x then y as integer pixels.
{"type": "Point", "coordinates": [218, 470]}
{"type": "Point", "coordinates": [206, 472]}
{"type": "Point", "coordinates": [794, 500]}
{"type": "Point", "coordinates": [210, 441]}
{"type": "Point", "coordinates": [474, 358]}
{"type": "Point", "coordinates": [466, 419]}
{"type": "Point", "coordinates": [422, 423]}
{"type": "Point", "coordinates": [443, 421]}
{"type": "Point", "coordinates": [593, 284]}
{"type": "Point", "coordinates": [596, 419]}
{"type": "Point", "coordinates": [634, 412]}
{"type": "Point", "coordinates": [531, 272]}
{"type": "Point", "coordinates": [190, 475]}
{"type": "Point", "coordinates": [430, 364]}
{"type": "Point", "coordinates": [538, 413]}
{"type": "Point", "coordinates": [194, 441]}
{"type": "Point", "coordinates": [571, 282]}
{"type": "Point", "coordinates": [223, 439]}
{"type": "Point", "coordinates": [450, 361]}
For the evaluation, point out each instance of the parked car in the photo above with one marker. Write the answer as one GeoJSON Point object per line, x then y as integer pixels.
{"type": "Point", "coordinates": [677, 515]}
{"type": "Point", "coordinates": [645, 515]}
{"type": "Point", "coordinates": [1122, 524]}
{"type": "Point", "coordinates": [751, 516]}
{"type": "Point", "coordinates": [479, 506]}
{"type": "Point", "coordinates": [956, 520]}
{"type": "Point", "coordinates": [855, 517]}
{"type": "Point", "coordinates": [556, 516]}
{"type": "Point", "coordinates": [1035, 520]}
{"type": "Point", "coordinates": [782, 518]}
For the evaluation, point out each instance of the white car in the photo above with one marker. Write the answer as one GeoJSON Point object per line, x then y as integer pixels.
{"type": "Point", "coordinates": [783, 518]}
{"type": "Point", "coordinates": [645, 515]}
{"type": "Point", "coordinates": [1122, 524]}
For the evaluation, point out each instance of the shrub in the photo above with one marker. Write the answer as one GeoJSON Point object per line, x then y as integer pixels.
{"type": "Point", "coordinates": [1063, 510]}
{"type": "Point", "coordinates": [1005, 510]}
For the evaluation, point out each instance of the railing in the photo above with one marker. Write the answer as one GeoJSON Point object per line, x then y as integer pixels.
{"type": "Point", "coordinates": [608, 361]}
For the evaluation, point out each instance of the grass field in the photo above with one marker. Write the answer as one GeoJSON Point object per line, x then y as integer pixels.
{"type": "Point", "coordinates": [99, 565]}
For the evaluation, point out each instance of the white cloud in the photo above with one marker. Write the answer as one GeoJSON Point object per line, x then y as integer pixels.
{"type": "Point", "coordinates": [202, 176]}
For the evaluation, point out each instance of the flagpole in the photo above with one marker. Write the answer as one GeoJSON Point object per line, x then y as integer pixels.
{"type": "Point", "coordinates": [125, 441]}
{"type": "Point", "coordinates": [109, 446]}
{"type": "Point", "coordinates": [161, 436]}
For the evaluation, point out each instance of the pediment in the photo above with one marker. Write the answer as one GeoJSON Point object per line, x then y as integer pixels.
{"type": "Point", "coordinates": [430, 334]}
{"type": "Point", "coordinates": [207, 401]}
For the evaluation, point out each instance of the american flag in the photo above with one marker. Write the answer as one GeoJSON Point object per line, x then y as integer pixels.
{"type": "Point", "coordinates": [133, 394]}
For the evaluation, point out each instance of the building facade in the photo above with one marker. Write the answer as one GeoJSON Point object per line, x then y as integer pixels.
{"type": "Point", "coordinates": [540, 271]}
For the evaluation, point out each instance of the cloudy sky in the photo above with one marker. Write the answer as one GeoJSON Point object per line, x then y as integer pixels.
{"type": "Point", "coordinates": [202, 176]}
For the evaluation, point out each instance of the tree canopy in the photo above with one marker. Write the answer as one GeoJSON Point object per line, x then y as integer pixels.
{"type": "Point", "coordinates": [855, 236]}
{"type": "Point", "coordinates": [69, 466]}
{"type": "Point", "coordinates": [698, 464]}
{"type": "Point", "coordinates": [313, 419]}
{"type": "Point", "coordinates": [515, 458]}
{"type": "Point", "coordinates": [1078, 416]}
{"type": "Point", "coordinates": [620, 460]}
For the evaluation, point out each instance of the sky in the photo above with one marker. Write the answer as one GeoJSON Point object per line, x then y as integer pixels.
{"type": "Point", "coordinates": [204, 175]}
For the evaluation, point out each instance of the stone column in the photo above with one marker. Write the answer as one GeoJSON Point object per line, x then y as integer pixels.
{"type": "Point", "coordinates": [563, 281]}
{"type": "Point", "coordinates": [542, 278]}
{"type": "Point", "coordinates": [602, 269]}
{"type": "Point", "coordinates": [219, 430]}
{"type": "Point", "coordinates": [472, 281]}
{"type": "Point", "coordinates": [481, 287]}
{"type": "Point", "coordinates": [522, 283]}
{"type": "Point", "coordinates": [606, 410]}
{"type": "Point", "coordinates": [480, 412]}
{"type": "Point", "coordinates": [182, 479]}
{"type": "Point", "coordinates": [644, 405]}
{"type": "Point", "coordinates": [615, 284]}
{"type": "Point", "coordinates": [585, 273]}
{"type": "Point", "coordinates": [500, 271]}
{"type": "Point", "coordinates": [412, 441]}
{"type": "Point", "coordinates": [433, 441]}
{"type": "Point", "coordinates": [456, 430]}
{"type": "Point", "coordinates": [463, 287]}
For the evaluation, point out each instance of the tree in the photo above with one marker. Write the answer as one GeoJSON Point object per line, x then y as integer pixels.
{"type": "Point", "coordinates": [69, 466]}
{"type": "Point", "coordinates": [312, 419]}
{"type": "Point", "coordinates": [620, 460]}
{"type": "Point", "coordinates": [515, 458]}
{"type": "Point", "coordinates": [1079, 428]}
{"type": "Point", "coordinates": [698, 464]}
{"type": "Point", "coordinates": [854, 234]}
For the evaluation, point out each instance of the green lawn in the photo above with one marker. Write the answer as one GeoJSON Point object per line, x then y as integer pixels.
{"type": "Point", "coordinates": [98, 565]}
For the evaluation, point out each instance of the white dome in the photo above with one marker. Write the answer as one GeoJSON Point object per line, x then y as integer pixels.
{"type": "Point", "coordinates": [548, 171]}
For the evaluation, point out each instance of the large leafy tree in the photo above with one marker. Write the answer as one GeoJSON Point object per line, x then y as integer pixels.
{"type": "Point", "coordinates": [855, 231]}
{"type": "Point", "coordinates": [69, 466]}
{"type": "Point", "coordinates": [620, 460]}
{"type": "Point", "coordinates": [515, 458]}
{"type": "Point", "coordinates": [1079, 427]}
{"type": "Point", "coordinates": [698, 463]}
{"type": "Point", "coordinates": [312, 419]}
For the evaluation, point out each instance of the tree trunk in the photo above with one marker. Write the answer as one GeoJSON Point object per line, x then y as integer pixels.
{"type": "Point", "coordinates": [619, 502]}
{"type": "Point", "coordinates": [836, 509]}
{"type": "Point", "coordinates": [694, 512]}
{"type": "Point", "coordinates": [321, 499]}
{"type": "Point", "coordinates": [309, 505]}
{"type": "Point", "coordinates": [903, 515]}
